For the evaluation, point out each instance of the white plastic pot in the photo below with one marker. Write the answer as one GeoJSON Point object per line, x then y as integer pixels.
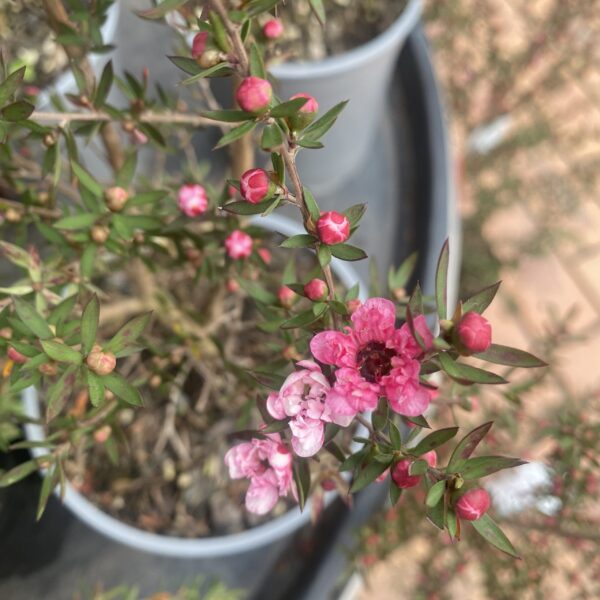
{"type": "Point", "coordinates": [362, 76]}
{"type": "Point", "coordinates": [228, 545]}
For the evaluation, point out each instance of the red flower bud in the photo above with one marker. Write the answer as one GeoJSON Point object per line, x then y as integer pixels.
{"type": "Point", "coordinates": [265, 254]}
{"type": "Point", "coordinates": [101, 363]}
{"type": "Point", "coordinates": [286, 296]}
{"type": "Point", "coordinates": [16, 356]}
{"type": "Point", "coordinates": [400, 471]}
{"type": "Point", "coordinates": [115, 198]}
{"type": "Point", "coordinates": [255, 185]}
{"type": "Point", "coordinates": [238, 244]}
{"type": "Point", "coordinates": [273, 29]}
{"type": "Point", "coordinates": [310, 106]}
{"type": "Point", "coordinates": [316, 289]}
{"type": "Point", "coordinates": [199, 44]}
{"type": "Point", "coordinates": [192, 199]}
{"type": "Point", "coordinates": [254, 94]}
{"type": "Point", "coordinates": [473, 333]}
{"type": "Point", "coordinates": [232, 286]}
{"type": "Point", "coordinates": [473, 505]}
{"type": "Point", "coordinates": [306, 114]}
{"type": "Point", "coordinates": [333, 227]}
{"type": "Point", "coordinates": [102, 434]}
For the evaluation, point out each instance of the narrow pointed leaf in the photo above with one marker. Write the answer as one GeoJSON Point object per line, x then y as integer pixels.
{"type": "Point", "coordinates": [441, 282]}
{"type": "Point", "coordinates": [481, 466]}
{"type": "Point", "coordinates": [479, 301]}
{"type": "Point", "coordinates": [122, 389]}
{"type": "Point", "coordinates": [513, 357]}
{"type": "Point", "coordinates": [32, 319]}
{"type": "Point", "coordinates": [433, 440]}
{"type": "Point", "coordinates": [488, 530]}
{"type": "Point", "coordinates": [466, 374]}
{"type": "Point", "coordinates": [89, 324]}
{"type": "Point", "coordinates": [467, 446]}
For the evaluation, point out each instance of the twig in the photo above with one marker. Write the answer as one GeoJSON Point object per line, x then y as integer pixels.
{"type": "Point", "coordinates": [372, 431]}
{"type": "Point", "coordinates": [51, 213]}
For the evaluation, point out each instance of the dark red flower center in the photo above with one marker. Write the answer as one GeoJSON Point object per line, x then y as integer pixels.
{"type": "Point", "coordinates": [375, 361]}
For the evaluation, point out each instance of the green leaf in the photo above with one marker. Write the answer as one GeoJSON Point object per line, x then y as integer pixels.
{"type": "Point", "coordinates": [89, 324]}
{"type": "Point", "coordinates": [229, 116]}
{"type": "Point", "coordinates": [513, 357]}
{"type": "Point", "coordinates": [433, 440]}
{"type": "Point", "coordinates": [489, 531]}
{"type": "Point", "coordinates": [479, 301]}
{"type": "Point", "coordinates": [18, 473]}
{"type": "Point", "coordinates": [158, 12]}
{"type": "Point", "coordinates": [122, 389]}
{"type": "Point", "coordinates": [186, 64]}
{"type": "Point", "coordinates": [81, 221]}
{"type": "Point", "coordinates": [415, 301]}
{"type": "Point", "coordinates": [289, 108]}
{"type": "Point", "coordinates": [236, 133]}
{"type": "Point", "coordinates": [95, 386]}
{"type": "Point", "coordinates": [48, 485]}
{"type": "Point", "coordinates": [106, 81]}
{"type": "Point", "coordinates": [17, 111]}
{"type": "Point", "coordinates": [481, 466]}
{"type": "Point", "coordinates": [368, 474]}
{"type": "Point", "coordinates": [128, 334]}
{"type": "Point", "coordinates": [395, 436]}
{"type": "Point", "coordinates": [324, 254]}
{"type": "Point", "coordinates": [242, 207]}
{"type": "Point", "coordinates": [317, 129]}
{"type": "Point", "coordinates": [355, 213]}
{"type": "Point", "coordinates": [10, 85]}
{"type": "Point", "coordinates": [301, 472]}
{"type": "Point", "coordinates": [272, 137]}
{"type": "Point", "coordinates": [310, 145]}
{"type": "Point", "coordinates": [62, 311]}
{"type": "Point", "coordinates": [304, 318]}
{"type": "Point", "coordinates": [86, 180]}
{"type": "Point", "coordinates": [218, 31]}
{"type": "Point", "coordinates": [256, 7]}
{"type": "Point", "coordinates": [418, 467]}
{"type": "Point", "coordinates": [278, 166]}
{"type": "Point", "coordinates": [147, 198]}
{"type": "Point", "coordinates": [257, 291]}
{"type": "Point", "coordinates": [420, 421]}
{"type": "Point", "coordinates": [435, 493]}
{"type": "Point", "coordinates": [88, 259]}
{"type": "Point", "coordinates": [436, 515]}
{"type": "Point", "coordinates": [318, 9]}
{"type": "Point", "coordinates": [399, 279]}
{"type": "Point", "coordinates": [311, 204]}
{"type": "Point", "coordinates": [301, 240]}
{"type": "Point", "coordinates": [59, 392]}
{"type": "Point", "coordinates": [395, 493]}
{"type": "Point", "coordinates": [354, 460]}
{"type": "Point", "coordinates": [32, 319]}
{"type": "Point", "coordinates": [452, 523]}
{"type": "Point", "coordinates": [257, 66]}
{"type": "Point", "coordinates": [441, 282]}
{"type": "Point", "coordinates": [467, 446]}
{"type": "Point", "coordinates": [466, 374]}
{"type": "Point", "coordinates": [347, 252]}
{"type": "Point", "coordinates": [217, 70]}
{"type": "Point", "coordinates": [61, 352]}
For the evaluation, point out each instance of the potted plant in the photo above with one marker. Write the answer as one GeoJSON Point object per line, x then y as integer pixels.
{"type": "Point", "coordinates": [209, 302]}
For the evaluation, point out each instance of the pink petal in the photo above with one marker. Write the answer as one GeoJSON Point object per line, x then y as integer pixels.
{"type": "Point", "coordinates": [275, 407]}
{"type": "Point", "coordinates": [334, 348]}
{"type": "Point", "coordinates": [307, 436]}
{"type": "Point", "coordinates": [374, 320]}
{"type": "Point", "coordinates": [262, 494]}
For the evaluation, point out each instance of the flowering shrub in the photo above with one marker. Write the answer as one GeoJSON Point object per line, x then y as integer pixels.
{"type": "Point", "coordinates": [364, 369]}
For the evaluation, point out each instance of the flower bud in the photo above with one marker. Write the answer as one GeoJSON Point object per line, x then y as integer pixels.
{"type": "Point", "coordinates": [210, 58]}
{"type": "Point", "coordinates": [286, 296]}
{"type": "Point", "coordinates": [231, 191]}
{"type": "Point", "coordinates": [473, 504]}
{"type": "Point", "coordinates": [102, 434]}
{"type": "Point", "coordinates": [101, 363]}
{"type": "Point", "coordinates": [316, 289]}
{"type": "Point", "coordinates": [353, 305]}
{"type": "Point", "coordinates": [306, 114]}
{"type": "Point", "coordinates": [155, 381]}
{"type": "Point", "coordinates": [16, 356]}
{"type": "Point", "coordinates": [265, 254]}
{"type": "Point", "coordinates": [273, 29]}
{"type": "Point", "coordinates": [12, 215]}
{"type": "Point", "coordinates": [473, 334]}
{"type": "Point", "coordinates": [49, 369]}
{"type": "Point", "coordinates": [115, 198]}
{"type": "Point", "coordinates": [256, 186]}
{"type": "Point", "coordinates": [6, 333]}
{"type": "Point", "coordinates": [400, 471]}
{"type": "Point", "coordinates": [333, 228]}
{"type": "Point", "coordinates": [232, 286]}
{"type": "Point", "coordinates": [199, 44]}
{"type": "Point", "coordinates": [99, 233]}
{"type": "Point", "coordinates": [328, 485]}
{"type": "Point", "coordinates": [254, 94]}
{"type": "Point", "coordinates": [238, 244]}
{"type": "Point", "coordinates": [139, 137]}
{"type": "Point", "coordinates": [49, 139]}
{"type": "Point", "coordinates": [192, 199]}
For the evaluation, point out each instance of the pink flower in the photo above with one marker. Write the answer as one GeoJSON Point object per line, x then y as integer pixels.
{"type": "Point", "coordinates": [265, 254]}
{"type": "Point", "coordinates": [310, 106]}
{"type": "Point", "coordinates": [254, 94]}
{"type": "Point", "coordinates": [375, 359]}
{"type": "Point", "coordinates": [199, 44]}
{"type": "Point", "coordinates": [255, 185]}
{"type": "Point", "coordinates": [273, 29]}
{"type": "Point", "coordinates": [268, 465]}
{"type": "Point", "coordinates": [238, 244]}
{"type": "Point", "coordinates": [474, 333]}
{"type": "Point", "coordinates": [16, 356]}
{"type": "Point", "coordinates": [316, 289]}
{"type": "Point", "coordinates": [333, 227]}
{"type": "Point", "coordinates": [192, 199]}
{"type": "Point", "coordinates": [473, 504]}
{"type": "Point", "coordinates": [286, 296]}
{"type": "Point", "coordinates": [400, 471]}
{"type": "Point", "coordinates": [303, 397]}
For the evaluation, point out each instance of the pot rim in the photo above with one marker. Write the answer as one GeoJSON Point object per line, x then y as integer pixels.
{"type": "Point", "coordinates": [165, 545]}
{"type": "Point", "coordinates": [356, 57]}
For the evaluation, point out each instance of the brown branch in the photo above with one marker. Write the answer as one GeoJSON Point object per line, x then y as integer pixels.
{"type": "Point", "coordinates": [233, 33]}
{"type": "Point", "coordinates": [50, 213]}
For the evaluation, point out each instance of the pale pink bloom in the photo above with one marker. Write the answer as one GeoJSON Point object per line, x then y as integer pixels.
{"type": "Point", "coordinates": [303, 397]}
{"type": "Point", "coordinates": [263, 493]}
{"type": "Point", "coordinates": [254, 94]}
{"type": "Point", "coordinates": [473, 504]}
{"type": "Point", "coordinates": [474, 333]}
{"type": "Point", "coordinates": [199, 44]}
{"type": "Point", "coordinates": [333, 227]}
{"type": "Point", "coordinates": [310, 106]}
{"type": "Point", "coordinates": [238, 244]}
{"type": "Point", "coordinates": [273, 29]}
{"type": "Point", "coordinates": [316, 289]}
{"type": "Point", "coordinates": [375, 359]}
{"type": "Point", "coordinates": [192, 199]}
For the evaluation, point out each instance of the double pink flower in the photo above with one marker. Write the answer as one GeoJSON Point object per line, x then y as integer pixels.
{"type": "Point", "coordinates": [375, 359]}
{"type": "Point", "coordinates": [268, 465]}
